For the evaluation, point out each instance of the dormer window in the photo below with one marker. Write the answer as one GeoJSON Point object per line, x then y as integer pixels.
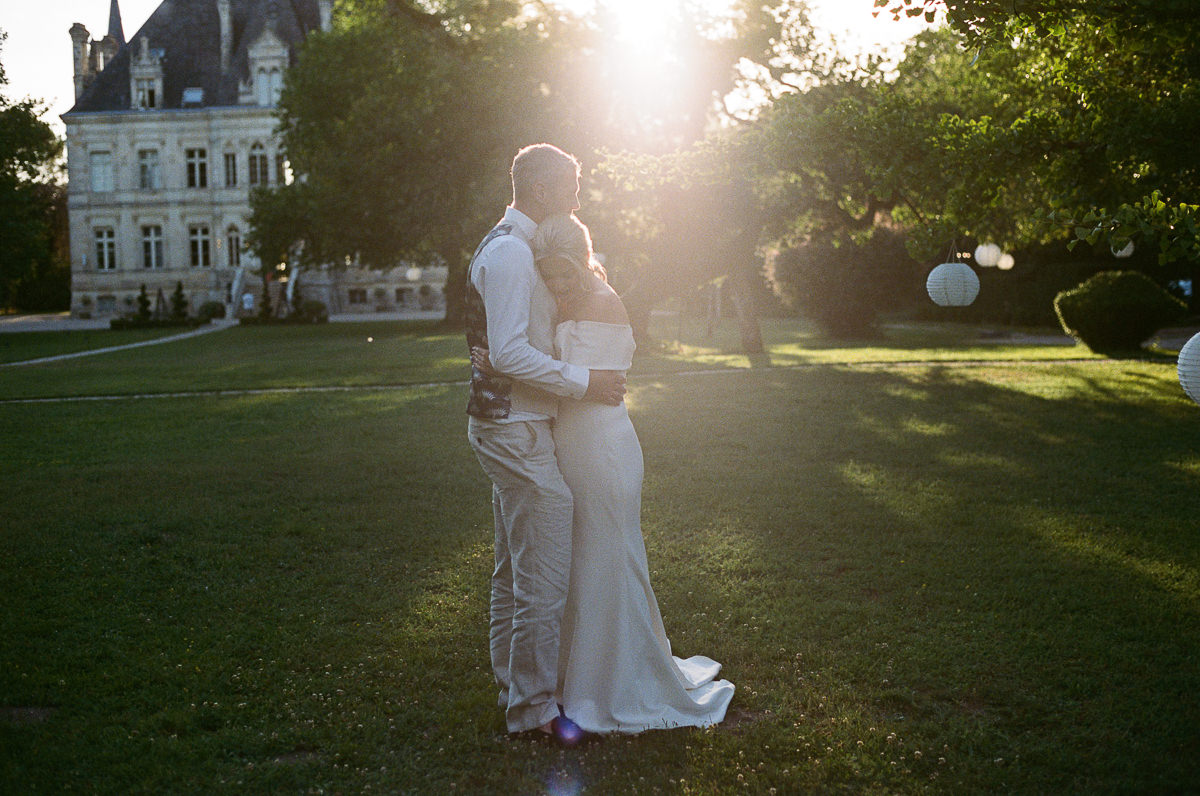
{"type": "Point", "coordinates": [268, 85]}
{"type": "Point", "coordinates": [147, 92]}
{"type": "Point", "coordinates": [193, 98]}
{"type": "Point", "coordinates": [262, 88]}
{"type": "Point", "coordinates": [146, 76]}
{"type": "Point", "coordinates": [268, 58]}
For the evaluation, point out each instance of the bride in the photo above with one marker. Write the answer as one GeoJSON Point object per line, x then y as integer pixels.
{"type": "Point", "coordinates": [616, 672]}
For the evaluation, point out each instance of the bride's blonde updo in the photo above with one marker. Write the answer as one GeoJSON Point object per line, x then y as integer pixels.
{"type": "Point", "coordinates": [567, 237]}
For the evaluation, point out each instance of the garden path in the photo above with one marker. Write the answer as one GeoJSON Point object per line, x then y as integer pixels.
{"type": "Point", "coordinates": [213, 326]}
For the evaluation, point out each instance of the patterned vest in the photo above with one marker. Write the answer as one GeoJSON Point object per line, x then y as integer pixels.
{"type": "Point", "coordinates": [491, 396]}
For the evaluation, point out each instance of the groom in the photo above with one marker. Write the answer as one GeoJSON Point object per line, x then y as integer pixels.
{"type": "Point", "coordinates": [510, 311]}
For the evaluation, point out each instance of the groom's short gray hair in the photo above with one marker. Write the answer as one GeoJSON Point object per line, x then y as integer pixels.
{"type": "Point", "coordinates": [544, 163]}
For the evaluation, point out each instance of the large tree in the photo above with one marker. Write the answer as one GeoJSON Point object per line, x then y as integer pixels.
{"type": "Point", "coordinates": [1125, 89]}
{"type": "Point", "coordinates": [29, 199]}
{"type": "Point", "coordinates": [401, 122]}
{"type": "Point", "coordinates": [397, 124]}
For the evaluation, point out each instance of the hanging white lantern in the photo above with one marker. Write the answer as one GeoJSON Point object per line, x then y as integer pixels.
{"type": "Point", "coordinates": [952, 285]}
{"type": "Point", "coordinates": [413, 274]}
{"type": "Point", "coordinates": [987, 254]}
{"type": "Point", "coordinates": [1124, 251]}
{"type": "Point", "coordinates": [1189, 368]}
{"type": "Point", "coordinates": [1006, 262]}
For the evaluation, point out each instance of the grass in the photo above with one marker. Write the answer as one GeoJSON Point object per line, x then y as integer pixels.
{"type": "Point", "coordinates": [399, 353]}
{"type": "Point", "coordinates": [18, 346]}
{"type": "Point", "coordinates": [937, 577]}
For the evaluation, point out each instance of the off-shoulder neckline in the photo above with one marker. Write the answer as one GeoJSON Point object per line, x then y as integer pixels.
{"type": "Point", "coordinates": [597, 323]}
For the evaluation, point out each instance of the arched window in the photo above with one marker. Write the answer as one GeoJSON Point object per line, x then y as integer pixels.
{"type": "Point", "coordinates": [259, 165]}
{"type": "Point", "coordinates": [233, 245]}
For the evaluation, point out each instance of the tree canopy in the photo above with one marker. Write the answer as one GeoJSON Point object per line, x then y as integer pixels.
{"type": "Point", "coordinates": [1123, 92]}
{"type": "Point", "coordinates": [29, 194]}
{"type": "Point", "coordinates": [1019, 123]}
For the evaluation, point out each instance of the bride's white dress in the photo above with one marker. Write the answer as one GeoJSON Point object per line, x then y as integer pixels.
{"type": "Point", "coordinates": [616, 670]}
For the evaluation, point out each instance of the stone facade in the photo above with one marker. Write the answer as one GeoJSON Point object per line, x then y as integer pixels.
{"type": "Point", "coordinates": [168, 136]}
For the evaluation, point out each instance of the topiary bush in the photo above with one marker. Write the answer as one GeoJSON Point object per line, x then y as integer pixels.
{"type": "Point", "coordinates": [143, 302]}
{"type": "Point", "coordinates": [1116, 311]}
{"type": "Point", "coordinates": [179, 303]}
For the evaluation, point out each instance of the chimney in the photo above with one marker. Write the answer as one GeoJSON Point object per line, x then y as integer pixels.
{"type": "Point", "coordinates": [80, 57]}
{"type": "Point", "coordinates": [325, 9]}
{"type": "Point", "coordinates": [226, 32]}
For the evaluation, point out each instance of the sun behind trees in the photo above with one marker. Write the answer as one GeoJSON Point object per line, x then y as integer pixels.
{"type": "Point", "coordinates": [408, 163]}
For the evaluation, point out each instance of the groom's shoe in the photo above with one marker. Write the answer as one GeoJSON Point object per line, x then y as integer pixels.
{"type": "Point", "coordinates": [566, 732]}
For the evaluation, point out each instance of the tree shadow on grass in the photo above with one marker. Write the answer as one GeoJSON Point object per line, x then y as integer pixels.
{"type": "Point", "coordinates": [1002, 559]}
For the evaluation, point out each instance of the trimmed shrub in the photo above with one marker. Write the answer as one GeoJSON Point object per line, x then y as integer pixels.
{"type": "Point", "coordinates": [309, 311]}
{"type": "Point", "coordinates": [1116, 311]}
{"type": "Point", "coordinates": [845, 285]}
{"type": "Point", "coordinates": [143, 303]}
{"type": "Point", "coordinates": [312, 311]}
{"type": "Point", "coordinates": [210, 310]}
{"type": "Point", "coordinates": [136, 322]}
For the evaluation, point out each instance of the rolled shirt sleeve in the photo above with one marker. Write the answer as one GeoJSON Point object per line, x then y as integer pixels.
{"type": "Point", "coordinates": [506, 278]}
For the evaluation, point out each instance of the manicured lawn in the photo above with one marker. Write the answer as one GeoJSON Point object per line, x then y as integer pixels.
{"type": "Point", "coordinates": [398, 353]}
{"type": "Point", "coordinates": [255, 357]}
{"type": "Point", "coordinates": [929, 577]}
{"type": "Point", "coordinates": [20, 346]}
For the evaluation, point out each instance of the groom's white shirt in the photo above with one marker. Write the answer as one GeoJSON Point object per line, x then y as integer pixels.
{"type": "Point", "coordinates": [520, 324]}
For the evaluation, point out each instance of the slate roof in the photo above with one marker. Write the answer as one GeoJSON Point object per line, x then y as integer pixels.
{"type": "Point", "coordinates": [189, 33]}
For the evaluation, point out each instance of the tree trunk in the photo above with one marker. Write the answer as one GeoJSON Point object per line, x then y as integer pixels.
{"type": "Point", "coordinates": [639, 319]}
{"type": "Point", "coordinates": [456, 283]}
{"type": "Point", "coordinates": [746, 304]}
{"type": "Point", "coordinates": [1194, 299]}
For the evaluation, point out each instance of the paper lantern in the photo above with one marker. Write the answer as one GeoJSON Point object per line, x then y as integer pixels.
{"type": "Point", "coordinates": [1123, 252]}
{"type": "Point", "coordinates": [1189, 368]}
{"type": "Point", "coordinates": [952, 285]}
{"type": "Point", "coordinates": [413, 274]}
{"type": "Point", "coordinates": [987, 254]}
{"type": "Point", "coordinates": [1006, 262]}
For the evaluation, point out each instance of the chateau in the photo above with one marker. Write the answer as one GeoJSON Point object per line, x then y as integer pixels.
{"type": "Point", "coordinates": [169, 133]}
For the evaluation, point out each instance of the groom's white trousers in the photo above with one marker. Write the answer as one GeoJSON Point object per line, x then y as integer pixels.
{"type": "Point", "coordinates": [533, 512]}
